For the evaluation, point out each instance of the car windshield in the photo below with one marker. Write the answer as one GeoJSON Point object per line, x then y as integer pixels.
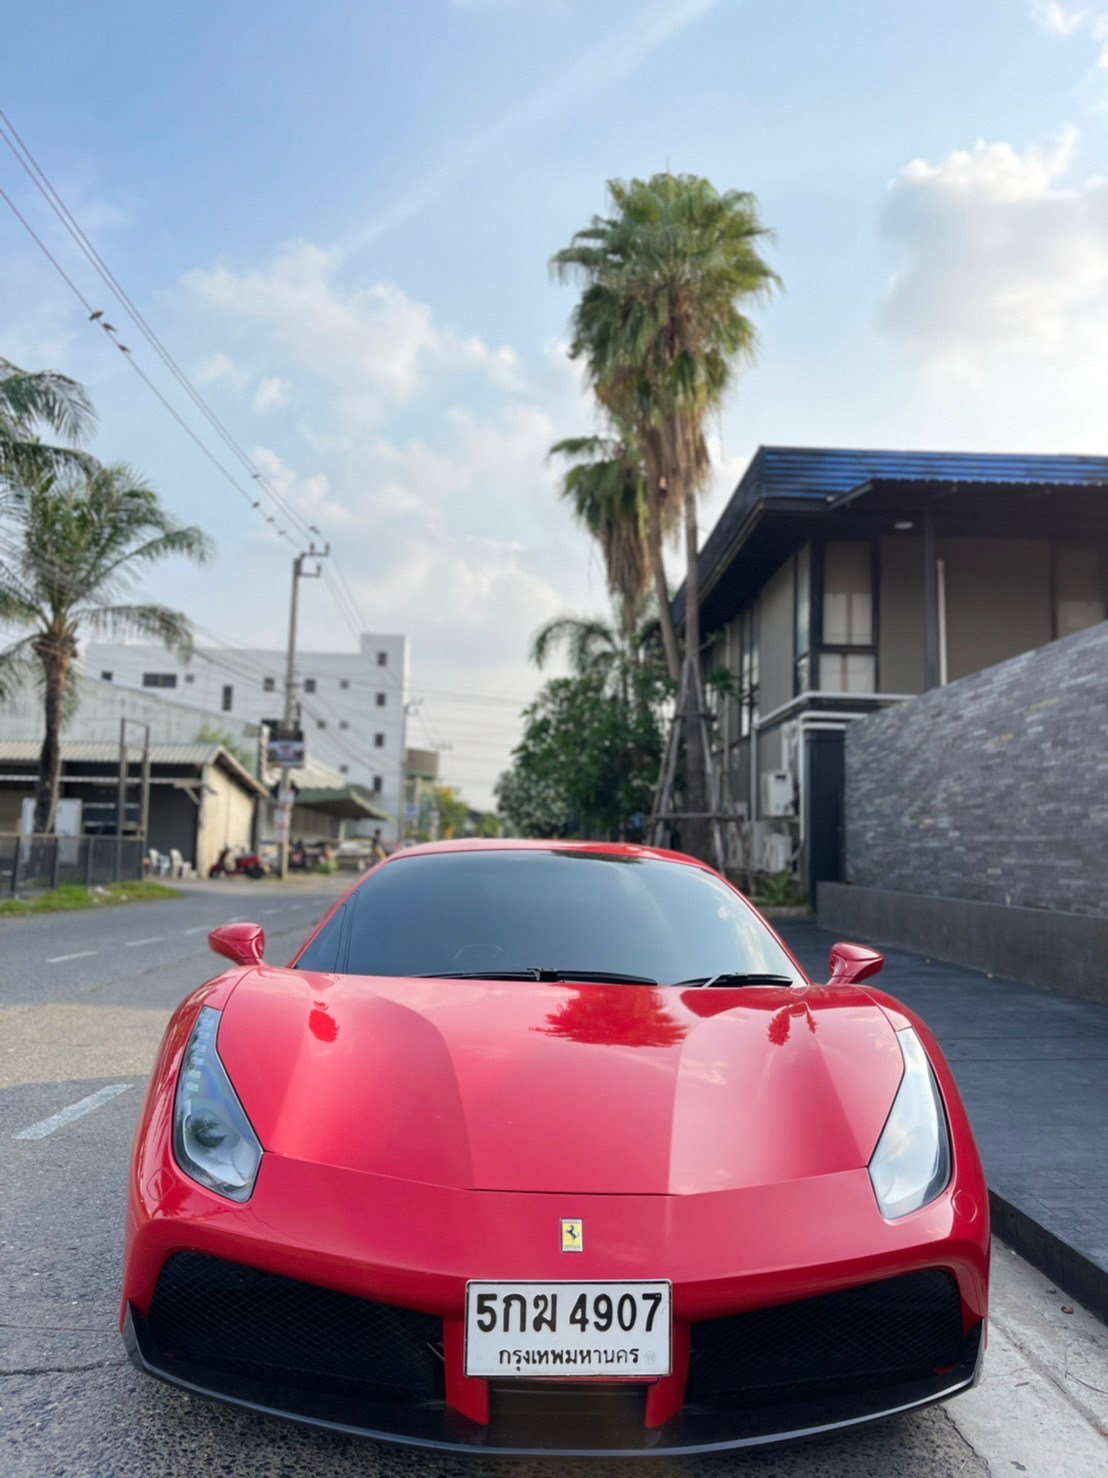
{"type": "Point", "coordinates": [502, 912]}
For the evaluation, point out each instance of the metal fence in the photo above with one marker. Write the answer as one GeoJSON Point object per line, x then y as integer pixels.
{"type": "Point", "coordinates": [30, 864]}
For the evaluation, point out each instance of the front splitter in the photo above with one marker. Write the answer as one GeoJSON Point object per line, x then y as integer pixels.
{"type": "Point", "coordinates": [435, 1426]}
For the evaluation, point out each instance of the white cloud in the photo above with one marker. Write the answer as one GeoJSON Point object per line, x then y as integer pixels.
{"type": "Point", "coordinates": [272, 392]}
{"type": "Point", "coordinates": [375, 342]}
{"type": "Point", "coordinates": [1055, 18]}
{"type": "Point", "coordinates": [220, 366]}
{"type": "Point", "coordinates": [1002, 255]}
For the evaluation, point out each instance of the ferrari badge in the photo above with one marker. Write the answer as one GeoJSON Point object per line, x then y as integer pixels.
{"type": "Point", "coordinates": [573, 1234]}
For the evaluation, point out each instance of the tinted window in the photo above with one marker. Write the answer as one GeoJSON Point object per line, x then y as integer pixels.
{"type": "Point", "coordinates": [559, 910]}
{"type": "Point", "coordinates": [323, 952]}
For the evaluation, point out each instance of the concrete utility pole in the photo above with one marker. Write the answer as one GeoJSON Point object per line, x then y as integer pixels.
{"type": "Point", "coordinates": [284, 796]}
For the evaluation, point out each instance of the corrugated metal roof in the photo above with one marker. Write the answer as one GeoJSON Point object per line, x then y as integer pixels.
{"type": "Point", "coordinates": [819, 475]}
{"type": "Point", "coordinates": [106, 751]}
{"type": "Point", "coordinates": [91, 750]}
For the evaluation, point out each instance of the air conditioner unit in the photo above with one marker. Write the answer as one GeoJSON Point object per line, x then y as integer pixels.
{"type": "Point", "coordinates": [775, 853]}
{"type": "Point", "coordinates": [778, 793]}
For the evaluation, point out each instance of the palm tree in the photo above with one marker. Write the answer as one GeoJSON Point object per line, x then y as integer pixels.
{"type": "Point", "coordinates": [661, 329]}
{"type": "Point", "coordinates": [32, 401]}
{"type": "Point", "coordinates": [81, 537]}
{"type": "Point", "coordinates": [609, 651]}
{"type": "Point", "coordinates": [606, 484]}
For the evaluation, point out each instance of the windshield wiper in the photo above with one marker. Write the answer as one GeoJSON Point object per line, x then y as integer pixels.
{"type": "Point", "coordinates": [539, 972]}
{"type": "Point", "coordinates": [734, 977]}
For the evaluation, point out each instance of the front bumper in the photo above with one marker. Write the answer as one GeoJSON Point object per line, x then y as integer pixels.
{"type": "Point", "coordinates": [412, 1247]}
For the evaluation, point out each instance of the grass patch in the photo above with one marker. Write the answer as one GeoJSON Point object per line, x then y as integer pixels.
{"type": "Point", "coordinates": [72, 896]}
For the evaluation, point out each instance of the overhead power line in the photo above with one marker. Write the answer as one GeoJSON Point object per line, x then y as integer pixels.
{"type": "Point", "coordinates": [46, 189]}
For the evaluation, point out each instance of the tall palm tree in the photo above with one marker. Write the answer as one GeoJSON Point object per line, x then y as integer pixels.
{"type": "Point", "coordinates": [77, 541]}
{"type": "Point", "coordinates": [606, 484]}
{"type": "Point", "coordinates": [661, 329]}
{"type": "Point", "coordinates": [29, 403]}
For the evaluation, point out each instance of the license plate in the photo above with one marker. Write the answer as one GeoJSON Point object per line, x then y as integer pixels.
{"type": "Point", "coordinates": [538, 1331]}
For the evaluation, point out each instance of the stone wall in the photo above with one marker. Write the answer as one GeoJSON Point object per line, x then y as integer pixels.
{"type": "Point", "coordinates": [994, 788]}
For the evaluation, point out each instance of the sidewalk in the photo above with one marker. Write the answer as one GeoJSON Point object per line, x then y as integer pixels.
{"type": "Point", "coordinates": [1033, 1070]}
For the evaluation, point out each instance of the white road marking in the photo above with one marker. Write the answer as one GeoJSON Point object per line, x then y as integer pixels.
{"type": "Point", "coordinates": [154, 939]}
{"type": "Point", "coordinates": [200, 929]}
{"type": "Point", "coordinates": [74, 1111]}
{"type": "Point", "coordinates": [82, 954]}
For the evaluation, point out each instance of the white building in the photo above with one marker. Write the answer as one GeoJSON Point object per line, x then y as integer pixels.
{"type": "Point", "coordinates": [352, 703]}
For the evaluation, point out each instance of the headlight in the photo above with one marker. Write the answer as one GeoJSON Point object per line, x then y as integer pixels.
{"type": "Point", "coordinates": [213, 1141]}
{"type": "Point", "coordinates": [911, 1164]}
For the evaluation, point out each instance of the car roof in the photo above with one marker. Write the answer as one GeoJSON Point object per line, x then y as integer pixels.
{"type": "Point", "coordinates": [554, 844]}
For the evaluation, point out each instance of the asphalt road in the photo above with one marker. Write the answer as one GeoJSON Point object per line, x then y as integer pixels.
{"type": "Point", "coordinates": [83, 1001]}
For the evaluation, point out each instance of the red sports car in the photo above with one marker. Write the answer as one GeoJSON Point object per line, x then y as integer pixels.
{"type": "Point", "coordinates": [553, 1147]}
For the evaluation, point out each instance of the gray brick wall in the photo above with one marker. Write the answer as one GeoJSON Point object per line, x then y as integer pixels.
{"type": "Point", "coordinates": [993, 788]}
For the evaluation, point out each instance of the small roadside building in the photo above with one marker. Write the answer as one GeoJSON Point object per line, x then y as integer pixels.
{"type": "Point", "coordinates": [201, 799]}
{"type": "Point", "coordinates": [839, 582]}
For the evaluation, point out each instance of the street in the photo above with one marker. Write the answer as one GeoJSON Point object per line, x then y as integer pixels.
{"type": "Point", "coordinates": [83, 1001]}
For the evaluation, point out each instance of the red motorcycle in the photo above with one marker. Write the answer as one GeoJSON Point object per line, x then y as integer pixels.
{"type": "Point", "coordinates": [245, 864]}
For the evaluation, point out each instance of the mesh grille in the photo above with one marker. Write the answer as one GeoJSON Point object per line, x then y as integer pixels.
{"type": "Point", "coordinates": [223, 1316]}
{"type": "Point", "coordinates": [888, 1331]}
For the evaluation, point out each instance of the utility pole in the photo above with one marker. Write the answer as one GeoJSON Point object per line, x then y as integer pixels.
{"type": "Point", "coordinates": [284, 794]}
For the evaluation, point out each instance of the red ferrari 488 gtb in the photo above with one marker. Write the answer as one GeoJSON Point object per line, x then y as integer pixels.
{"type": "Point", "coordinates": [553, 1147]}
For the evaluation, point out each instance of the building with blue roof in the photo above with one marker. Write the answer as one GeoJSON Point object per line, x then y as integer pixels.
{"type": "Point", "coordinates": [839, 581]}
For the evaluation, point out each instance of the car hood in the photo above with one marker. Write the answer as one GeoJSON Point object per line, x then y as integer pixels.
{"type": "Point", "coordinates": [537, 1087]}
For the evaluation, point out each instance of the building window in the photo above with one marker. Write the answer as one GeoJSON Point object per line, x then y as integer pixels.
{"type": "Point", "coordinates": [378, 741]}
{"type": "Point", "coordinates": [228, 698]}
{"type": "Point", "coordinates": [105, 677]}
{"type": "Point", "coordinates": [344, 769]}
{"type": "Point", "coordinates": [848, 594]}
{"type": "Point", "coordinates": [269, 684]}
{"type": "Point", "coordinates": [309, 685]}
{"type": "Point", "coordinates": [344, 723]}
{"type": "Point", "coordinates": [377, 785]}
{"type": "Point", "coordinates": [159, 679]}
{"type": "Point", "coordinates": [748, 673]}
{"type": "Point", "coordinates": [382, 659]}
{"type": "Point", "coordinates": [344, 683]}
{"type": "Point", "coordinates": [381, 700]}
{"type": "Point", "coordinates": [848, 672]}
{"type": "Point", "coordinates": [802, 625]}
{"type": "Point", "coordinates": [190, 677]}
{"type": "Point", "coordinates": [321, 723]}
{"type": "Point", "coordinates": [1079, 590]}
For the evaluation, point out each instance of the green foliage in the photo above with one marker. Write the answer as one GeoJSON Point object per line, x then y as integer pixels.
{"type": "Point", "coordinates": [32, 402]}
{"type": "Point", "coordinates": [489, 825]}
{"type": "Point", "coordinates": [71, 896]}
{"type": "Point", "coordinates": [209, 734]}
{"type": "Point", "coordinates": [779, 890]}
{"type": "Point", "coordinates": [606, 484]}
{"type": "Point", "coordinates": [589, 756]}
{"type": "Point", "coordinates": [453, 812]}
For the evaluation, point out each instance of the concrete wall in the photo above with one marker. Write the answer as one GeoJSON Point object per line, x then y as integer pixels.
{"type": "Point", "coordinates": [355, 698]}
{"type": "Point", "coordinates": [997, 600]}
{"type": "Point", "coordinates": [226, 820]}
{"type": "Point", "coordinates": [101, 705]}
{"type": "Point", "coordinates": [994, 788]}
{"type": "Point", "coordinates": [1062, 951]}
{"type": "Point", "coordinates": [900, 616]}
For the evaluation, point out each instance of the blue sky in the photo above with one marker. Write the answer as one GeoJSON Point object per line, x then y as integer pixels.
{"type": "Point", "coordinates": [338, 217]}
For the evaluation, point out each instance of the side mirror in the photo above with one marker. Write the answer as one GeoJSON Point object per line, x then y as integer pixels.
{"type": "Point", "coordinates": [851, 963]}
{"type": "Point", "coordinates": [243, 943]}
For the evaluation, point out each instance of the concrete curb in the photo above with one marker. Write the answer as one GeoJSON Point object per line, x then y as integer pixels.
{"type": "Point", "coordinates": [1082, 1278]}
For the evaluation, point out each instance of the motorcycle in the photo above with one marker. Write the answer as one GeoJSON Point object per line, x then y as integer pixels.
{"type": "Point", "coordinates": [244, 864]}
